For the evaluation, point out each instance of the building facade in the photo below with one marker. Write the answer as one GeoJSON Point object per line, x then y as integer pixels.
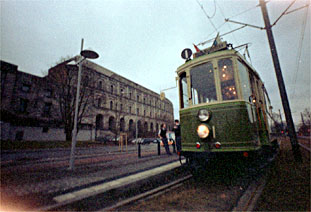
{"type": "Point", "coordinates": [31, 107]}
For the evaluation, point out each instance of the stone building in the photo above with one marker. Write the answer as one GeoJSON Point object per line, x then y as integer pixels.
{"type": "Point", "coordinates": [30, 105]}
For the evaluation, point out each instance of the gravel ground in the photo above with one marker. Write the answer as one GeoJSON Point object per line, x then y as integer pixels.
{"type": "Point", "coordinates": [288, 185]}
{"type": "Point", "coordinates": [218, 189]}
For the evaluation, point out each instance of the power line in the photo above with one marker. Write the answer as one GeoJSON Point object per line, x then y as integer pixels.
{"type": "Point", "coordinates": [291, 4]}
{"type": "Point", "coordinates": [208, 17]}
{"type": "Point", "coordinates": [207, 41]}
{"type": "Point", "coordinates": [245, 11]}
{"type": "Point", "coordinates": [303, 28]}
{"type": "Point", "coordinates": [222, 13]}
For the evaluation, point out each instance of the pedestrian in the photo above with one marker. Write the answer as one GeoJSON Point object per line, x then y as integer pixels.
{"type": "Point", "coordinates": [176, 130]}
{"type": "Point", "coordinates": [162, 136]}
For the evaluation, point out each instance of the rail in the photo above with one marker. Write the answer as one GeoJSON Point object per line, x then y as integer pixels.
{"type": "Point", "coordinates": [145, 195]}
{"type": "Point", "coordinates": [139, 149]}
{"type": "Point", "coordinates": [303, 145]}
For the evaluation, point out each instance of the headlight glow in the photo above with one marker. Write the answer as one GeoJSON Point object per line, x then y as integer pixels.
{"type": "Point", "coordinates": [204, 114]}
{"type": "Point", "coordinates": [203, 131]}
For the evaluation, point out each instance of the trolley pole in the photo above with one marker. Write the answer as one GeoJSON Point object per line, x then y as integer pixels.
{"type": "Point", "coordinates": [282, 90]}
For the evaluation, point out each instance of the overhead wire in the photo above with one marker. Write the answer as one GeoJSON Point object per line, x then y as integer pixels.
{"type": "Point", "coordinates": [208, 17]}
{"type": "Point", "coordinates": [244, 11]}
{"type": "Point", "coordinates": [207, 41]}
{"type": "Point", "coordinates": [222, 13]}
{"type": "Point", "coordinates": [291, 4]}
{"type": "Point", "coordinates": [303, 28]}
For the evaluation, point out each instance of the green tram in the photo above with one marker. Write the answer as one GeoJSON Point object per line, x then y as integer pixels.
{"type": "Point", "coordinates": [224, 106]}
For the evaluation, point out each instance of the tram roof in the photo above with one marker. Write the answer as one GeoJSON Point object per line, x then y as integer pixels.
{"type": "Point", "coordinates": [214, 55]}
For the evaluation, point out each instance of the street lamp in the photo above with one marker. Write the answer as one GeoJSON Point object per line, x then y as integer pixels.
{"type": "Point", "coordinates": [85, 54]}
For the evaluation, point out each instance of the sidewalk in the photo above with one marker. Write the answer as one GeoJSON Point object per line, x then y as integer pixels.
{"type": "Point", "coordinates": [288, 184]}
{"type": "Point", "coordinates": [34, 184]}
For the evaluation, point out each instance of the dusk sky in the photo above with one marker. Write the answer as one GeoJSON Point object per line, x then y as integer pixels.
{"type": "Point", "coordinates": [142, 39]}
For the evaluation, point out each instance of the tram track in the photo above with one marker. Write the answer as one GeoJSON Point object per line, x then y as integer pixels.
{"type": "Point", "coordinates": [154, 192]}
{"type": "Point", "coordinates": [104, 195]}
{"type": "Point", "coordinates": [121, 197]}
{"type": "Point", "coordinates": [245, 193]}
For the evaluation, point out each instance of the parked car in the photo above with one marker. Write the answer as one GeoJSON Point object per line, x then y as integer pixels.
{"type": "Point", "coordinates": [108, 138]}
{"type": "Point", "coordinates": [147, 140]}
{"type": "Point", "coordinates": [157, 140]}
{"type": "Point", "coordinates": [136, 140]}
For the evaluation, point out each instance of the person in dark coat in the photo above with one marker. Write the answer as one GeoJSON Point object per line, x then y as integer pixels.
{"type": "Point", "coordinates": [176, 130]}
{"type": "Point", "coordinates": [162, 136]}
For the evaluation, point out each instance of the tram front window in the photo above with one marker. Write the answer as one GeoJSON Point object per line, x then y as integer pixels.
{"type": "Point", "coordinates": [227, 83]}
{"type": "Point", "coordinates": [184, 91]}
{"type": "Point", "coordinates": [203, 88]}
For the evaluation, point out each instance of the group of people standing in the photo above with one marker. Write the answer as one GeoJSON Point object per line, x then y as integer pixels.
{"type": "Point", "coordinates": [163, 137]}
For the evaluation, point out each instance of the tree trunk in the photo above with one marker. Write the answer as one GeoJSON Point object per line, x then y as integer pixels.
{"type": "Point", "coordinates": [68, 135]}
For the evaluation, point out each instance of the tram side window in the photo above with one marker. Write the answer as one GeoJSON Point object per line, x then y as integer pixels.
{"type": "Point", "coordinates": [227, 82]}
{"type": "Point", "coordinates": [203, 87]}
{"type": "Point", "coordinates": [245, 83]}
{"type": "Point", "coordinates": [184, 91]}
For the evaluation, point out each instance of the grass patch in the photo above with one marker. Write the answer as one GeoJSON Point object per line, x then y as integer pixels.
{"type": "Point", "coordinates": [19, 145]}
{"type": "Point", "coordinates": [288, 185]}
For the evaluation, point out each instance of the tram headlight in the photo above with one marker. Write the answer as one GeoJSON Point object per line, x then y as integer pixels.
{"type": "Point", "coordinates": [204, 114]}
{"type": "Point", "coordinates": [203, 131]}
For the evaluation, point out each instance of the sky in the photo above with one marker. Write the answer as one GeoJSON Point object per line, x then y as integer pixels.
{"type": "Point", "coordinates": [142, 39]}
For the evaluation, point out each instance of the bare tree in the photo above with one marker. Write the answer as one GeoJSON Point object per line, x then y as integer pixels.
{"type": "Point", "coordinates": [307, 116]}
{"type": "Point", "coordinates": [64, 82]}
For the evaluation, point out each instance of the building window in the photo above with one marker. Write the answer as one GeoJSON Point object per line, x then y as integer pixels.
{"type": "Point", "coordinates": [137, 111]}
{"type": "Point", "coordinates": [144, 112]}
{"type": "Point", "coordinates": [23, 105]}
{"type": "Point", "coordinates": [137, 98]}
{"type": "Point", "coordinates": [112, 124]}
{"type": "Point", "coordinates": [25, 87]}
{"type": "Point", "coordinates": [121, 92]}
{"type": "Point", "coordinates": [48, 93]}
{"type": "Point", "coordinates": [111, 105]}
{"type": "Point", "coordinates": [130, 95]}
{"type": "Point", "coordinates": [144, 100]}
{"type": "Point", "coordinates": [35, 104]}
{"type": "Point", "coordinates": [100, 85]}
{"type": "Point", "coordinates": [111, 88]}
{"type": "Point", "coordinates": [47, 109]}
{"type": "Point", "coordinates": [19, 135]}
{"type": "Point", "coordinates": [130, 109]}
{"type": "Point", "coordinates": [45, 129]}
{"type": "Point", "coordinates": [99, 122]}
{"type": "Point", "coordinates": [99, 102]}
{"type": "Point", "coordinates": [85, 81]}
{"type": "Point", "coordinates": [121, 107]}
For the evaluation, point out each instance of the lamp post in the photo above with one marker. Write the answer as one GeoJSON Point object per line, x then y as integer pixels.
{"type": "Point", "coordinates": [85, 54]}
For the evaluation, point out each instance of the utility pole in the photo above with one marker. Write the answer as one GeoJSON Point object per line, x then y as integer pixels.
{"type": "Point", "coordinates": [278, 72]}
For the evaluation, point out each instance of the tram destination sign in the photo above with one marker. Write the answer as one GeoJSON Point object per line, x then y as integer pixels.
{"type": "Point", "coordinates": [214, 48]}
